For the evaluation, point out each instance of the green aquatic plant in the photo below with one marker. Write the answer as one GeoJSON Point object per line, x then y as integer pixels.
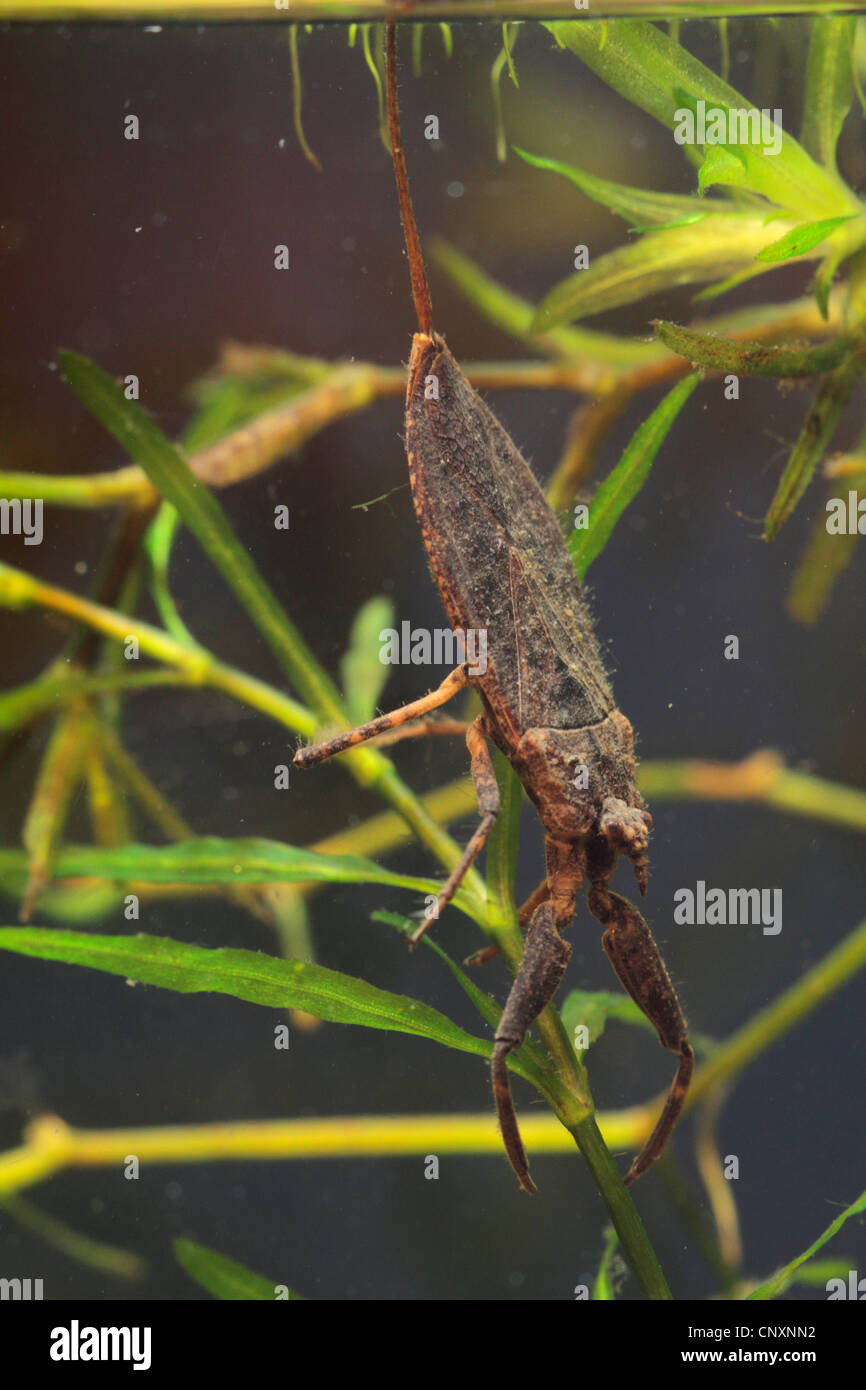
{"type": "Point", "coordinates": [260, 404]}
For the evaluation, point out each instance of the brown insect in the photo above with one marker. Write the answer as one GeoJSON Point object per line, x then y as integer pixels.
{"type": "Point", "coordinates": [501, 566]}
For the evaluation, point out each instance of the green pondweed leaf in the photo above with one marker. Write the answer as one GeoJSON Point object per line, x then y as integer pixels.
{"type": "Point", "coordinates": [57, 782]}
{"type": "Point", "coordinates": [515, 315]}
{"type": "Point", "coordinates": [160, 538]}
{"type": "Point", "coordinates": [660, 260]}
{"type": "Point", "coordinates": [730, 282]}
{"type": "Point", "coordinates": [688, 221]}
{"type": "Point", "coordinates": [74, 903]}
{"type": "Point", "coordinates": [248, 975]}
{"type": "Point", "coordinates": [816, 1273]}
{"type": "Point", "coordinates": [291, 918]}
{"type": "Point", "coordinates": [529, 1060]}
{"type": "Point", "coordinates": [246, 386]}
{"type": "Point", "coordinates": [496, 72]}
{"type": "Point", "coordinates": [829, 85]}
{"type": "Point", "coordinates": [75, 1245]}
{"type": "Point", "coordinates": [799, 240]}
{"type": "Point", "coordinates": [591, 1009]}
{"type": "Point", "coordinates": [653, 71]}
{"type": "Point", "coordinates": [819, 428]}
{"type": "Point", "coordinates": [363, 674]}
{"type": "Point", "coordinates": [628, 477]}
{"type": "Point", "coordinates": [171, 475]}
{"type": "Point", "coordinates": [630, 203]}
{"type": "Point", "coordinates": [823, 281]}
{"type": "Point", "coordinates": [297, 99]}
{"type": "Point", "coordinates": [509, 38]}
{"type": "Point", "coordinates": [722, 166]}
{"type": "Point", "coordinates": [749, 359]}
{"type": "Point", "coordinates": [227, 1279]}
{"type": "Point", "coordinates": [502, 843]}
{"type": "Point", "coordinates": [375, 65]}
{"type": "Point", "coordinates": [222, 405]}
{"type": "Point", "coordinates": [603, 1290]}
{"type": "Point", "coordinates": [212, 860]}
{"type": "Point", "coordinates": [824, 560]}
{"type": "Point", "coordinates": [783, 1277]}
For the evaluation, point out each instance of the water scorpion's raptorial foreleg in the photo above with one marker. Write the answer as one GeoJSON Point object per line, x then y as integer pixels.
{"type": "Point", "coordinates": [501, 566]}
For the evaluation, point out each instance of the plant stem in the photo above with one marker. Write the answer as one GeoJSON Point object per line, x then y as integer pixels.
{"type": "Point", "coordinates": [629, 1227]}
{"type": "Point", "coordinates": [199, 667]}
{"type": "Point", "coordinates": [761, 777]}
{"type": "Point", "coordinates": [50, 1145]}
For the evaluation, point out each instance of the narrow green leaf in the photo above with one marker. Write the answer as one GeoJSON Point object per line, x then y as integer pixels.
{"type": "Point", "coordinates": [725, 45]}
{"type": "Point", "coordinates": [829, 84]}
{"type": "Point", "coordinates": [687, 221]}
{"type": "Point", "coordinates": [653, 71]}
{"type": "Point", "coordinates": [362, 673]}
{"type": "Point", "coordinates": [291, 918]}
{"type": "Point", "coordinates": [74, 904]}
{"type": "Point", "coordinates": [249, 975]}
{"type": "Point", "coordinates": [824, 559]}
{"type": "Point", "coordinates": [75, 1245]}
{"type": "Point", "coordinates": [514, 315]}
{"type": "Point", "coordinates": [801, 239]}
{"type": "Point", "coordinates": [221, 404]}
{"type": "Point", "coordinates": [749, 359]}
{"type": "Point", "coordinates": [815, 1273]}
{"type": "Point", "coordinates": [660, 260]}
{"type": "Point", "coordinates": [212, 860]}
{"type": "Point", "coordinates": [603, 1290]}
{"type": "Point", "coordinates": [504, 837]}
{"type": "Point", "coordinates": [160, 538]}
{"type": "Point", "coordinates": [509, 38]}
{"type": "Point", "coordinates": [591, 1009]}
{"type": "Point", "coordinates": [783, 1277]}
{"type": "Point", "coordinates": [297, 99]}
{"type": "Point", "coordinates": [730, 282]}
{"type": "Point", "coordinates": [645, 205]}
{"type": "Point", "coordinates": [496, 71]}
{"type": "Point", "coordinates": [723, 166]}
{"type": "Point", "coordinates": [528, 1061]}
{"type": "Point", "coordinates": [628, 477]}
{"type": "Point", "coordinates": [171, 475]}
{"type": "Point", "coordinates": [373, 65]}
{"type": "Point", "coordinates": [819, 428]}
{"type": "Point", "coordinates": [225, 1278]}
{"type": "Point", "coordinates": [824, 277]}
{"type": "Point", "coordinates": [51, 802]}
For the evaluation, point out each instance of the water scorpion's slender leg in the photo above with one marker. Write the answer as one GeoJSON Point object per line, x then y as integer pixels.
{"type": "Point", "coordinates": [487, 796]}
{"type": "Point", "coordinates": [483, 774]}
{"type": "Point", "coordinates": [453, 683]}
